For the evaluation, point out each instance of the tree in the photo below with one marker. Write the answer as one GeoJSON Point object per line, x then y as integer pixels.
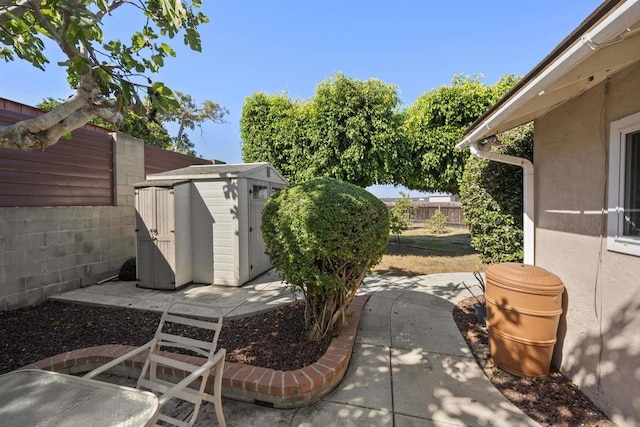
{"type": "Point", "coordinates": [150, 132]}
{"type": "Point", "coordinates": [108, 75]}
{"type": "Point", "coordinates": [491, 198]}
{"type": "Point", "coordinates": [188, 114]}
{"type": "Point", "coordinates": [276, 129]}
{"type": "Point", "coordinates": [349, 131]}
{"type": "Point", "coordinates": [357, 125]}
{"type": "Point", "coordinates": [325, 235]}
{"type": "Point", "coordinates": [400, 215]}
{"type": "Point", "coordinates": [436, 121]}
{"type": "Point", "coordinates": [437, 223]}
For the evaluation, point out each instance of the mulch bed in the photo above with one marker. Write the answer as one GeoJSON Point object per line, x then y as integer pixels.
{"type": "Point", "coordinates": [551, 400]}
{"type": "Point", "coordinates": [276, 339]}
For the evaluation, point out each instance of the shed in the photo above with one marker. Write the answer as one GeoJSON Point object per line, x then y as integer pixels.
{"type": "Point", "coordinates": [202, 224]}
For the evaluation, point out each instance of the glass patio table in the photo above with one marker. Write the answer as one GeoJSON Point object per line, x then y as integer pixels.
{"type": "Point", "coordinates": [33, 397]}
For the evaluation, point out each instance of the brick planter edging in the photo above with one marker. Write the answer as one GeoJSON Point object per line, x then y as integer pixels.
{"type": "Point", "coordinates": [280, 389]}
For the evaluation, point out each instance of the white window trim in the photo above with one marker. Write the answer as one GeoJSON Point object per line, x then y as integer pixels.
{"type": "Point", "coordinates": [616, 241]}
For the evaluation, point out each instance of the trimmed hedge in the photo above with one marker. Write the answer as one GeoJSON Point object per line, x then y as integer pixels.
{"type": "Point", "coordinates": [324, 235]}
{"type": "Point", "coordinates": [491, 198]}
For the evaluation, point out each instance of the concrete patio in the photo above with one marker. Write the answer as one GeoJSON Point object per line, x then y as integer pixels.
{"type": "Point", "coordinates": [410, 365]}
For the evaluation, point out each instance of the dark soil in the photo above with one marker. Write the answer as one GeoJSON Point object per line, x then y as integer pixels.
{"type": "Point", "coordinates": [276, 339]}
{"type": "Point", "coordinates": [551, 400]}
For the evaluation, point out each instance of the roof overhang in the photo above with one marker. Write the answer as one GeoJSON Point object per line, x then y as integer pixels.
{"type": "Point", "coordinates": [605, 43]}
{"type": "Point", "coordinates": [216, 171]}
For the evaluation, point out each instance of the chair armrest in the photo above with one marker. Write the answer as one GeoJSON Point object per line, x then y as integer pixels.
{"type": "Point", "coordinates": [217, 358]}
{"type": "Point", "coordinates": [118, 360]}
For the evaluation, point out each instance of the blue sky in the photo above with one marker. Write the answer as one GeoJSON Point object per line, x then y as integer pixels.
{"type": "Point", "coordinates": [290, 46]}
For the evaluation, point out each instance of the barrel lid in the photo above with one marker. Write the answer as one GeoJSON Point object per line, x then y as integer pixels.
{"type": "Point", "coordinates": [525, 277]}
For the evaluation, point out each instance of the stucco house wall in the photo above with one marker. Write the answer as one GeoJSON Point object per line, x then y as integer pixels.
{"type": "Point", "coordinates": [598, 345]}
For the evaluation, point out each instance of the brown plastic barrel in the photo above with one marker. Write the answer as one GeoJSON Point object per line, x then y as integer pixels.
{"type": "Point", "coordinates": [524, 304]}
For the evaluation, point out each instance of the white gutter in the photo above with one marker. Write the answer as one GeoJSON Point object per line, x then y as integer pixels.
{"type": "Point", "coordinates": [528, 219]}
{"type": "Point", "coordinates": [605, 32]}
{"type": "Point", "coordinates": [609, 30]}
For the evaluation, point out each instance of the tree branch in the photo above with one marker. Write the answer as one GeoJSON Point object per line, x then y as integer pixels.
{"type": "Point", "coordinates": [11, 9]}
{"type": "Point", "coordinates": [68, 50]}
{"type": "Point", "coordinates": [113, 6]}
{"type": "Point", "coordinates": [21, 137]}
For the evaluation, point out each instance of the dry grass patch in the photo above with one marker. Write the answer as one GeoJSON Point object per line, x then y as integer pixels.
{"type": "Point", "coordinates": [418, 252]}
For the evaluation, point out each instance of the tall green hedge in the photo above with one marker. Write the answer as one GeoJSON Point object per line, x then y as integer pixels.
{"type": "Point", "coordinates": [324, 235]}
{"type": "Point", "coordinates": [491, 198]}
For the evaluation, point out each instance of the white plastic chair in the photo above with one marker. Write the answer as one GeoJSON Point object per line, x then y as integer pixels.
{"type": "Point", "coordinates": [150, 377]}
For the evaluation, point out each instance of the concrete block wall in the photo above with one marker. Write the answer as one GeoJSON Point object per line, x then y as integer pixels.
{"type": "Point", "coordinates": [48, 250]}
{"type": "Point", "coordinates": [128, 153]}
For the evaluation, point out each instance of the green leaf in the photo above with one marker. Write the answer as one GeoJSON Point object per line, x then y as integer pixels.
{"type": "Point", "coordinates": [167, 50]}
{"type": "Point", "coordinates": [162, 89]}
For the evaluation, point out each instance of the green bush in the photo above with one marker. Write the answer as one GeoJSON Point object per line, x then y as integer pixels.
{"type": "Point", "coordinates": [437, 223]}
{"type": "Point", "coordinates": [491, 198]}
{"type": "Point", "coordinates": [324, 235]}
{"type": "Point", "coordinates": [400, 215]}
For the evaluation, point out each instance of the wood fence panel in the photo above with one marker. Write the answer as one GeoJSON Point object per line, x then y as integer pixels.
{"type": "Point", "coordinates": [157, 160]}
{"type": "Point", "coordinates": [422, 211]}
{"type": "Point", "coordinates": [75, 172]}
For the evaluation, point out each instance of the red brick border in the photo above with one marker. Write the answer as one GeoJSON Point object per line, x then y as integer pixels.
{"type": "Point", "coordinates": [282, 389]}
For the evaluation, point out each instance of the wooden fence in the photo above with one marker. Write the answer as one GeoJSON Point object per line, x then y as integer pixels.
{"type": "Point", "coordinates": [422, 211]}
{"type": "Point", "coordinates": [157, 160]}
{"type": "Point", "coordinates": [74, 172]}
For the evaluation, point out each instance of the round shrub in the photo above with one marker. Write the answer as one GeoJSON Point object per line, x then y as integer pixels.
{"type": "Point", "coordinates": [491, 198]}
{"type": "Point", "coordinates": [324, 235]}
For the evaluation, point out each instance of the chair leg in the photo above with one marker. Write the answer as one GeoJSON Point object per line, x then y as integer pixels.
{"type": "Point", "coordinates": [194, 414]}
{"type": "Point", "coordinates": [217, 389]}
{"type": "Point", "coordinates": [219, 413]}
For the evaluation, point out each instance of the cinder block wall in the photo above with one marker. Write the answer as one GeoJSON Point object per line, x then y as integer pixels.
{"type": "Point", "coordinates": [48, 250]}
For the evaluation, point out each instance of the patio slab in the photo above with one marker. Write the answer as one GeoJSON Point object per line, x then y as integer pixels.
{"type": "Point", "coordinates": [330, 414]}
{"type": "Point", "coordinates": [367, 383]}
{"type": "Point", "coordinates": [449, 389]}
{"type": "Point", "coordinates": [415, 326]}
{"type": "Point", "coordinates": [375, 326]}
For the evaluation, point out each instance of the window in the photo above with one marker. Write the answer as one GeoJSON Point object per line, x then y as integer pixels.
{"type": "Point", "coordinates": [260, 191]}
{"type": "Point", "coordinates": [623, 228]}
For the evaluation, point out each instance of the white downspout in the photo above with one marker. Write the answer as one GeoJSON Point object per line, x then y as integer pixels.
{"type": "Point", "coordinates": [528, 213]}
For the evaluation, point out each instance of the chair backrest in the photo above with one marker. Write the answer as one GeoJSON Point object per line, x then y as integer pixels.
{"type": "Point", "coordinates": [191, 326]}
{"type": "Point", "coordinates": [184, 326]}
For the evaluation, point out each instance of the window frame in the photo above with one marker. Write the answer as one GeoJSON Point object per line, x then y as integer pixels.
{"type": "Point", "coordinates": [616, 240]}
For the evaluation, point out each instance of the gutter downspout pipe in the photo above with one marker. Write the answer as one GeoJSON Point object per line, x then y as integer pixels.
{"type": "Point", "coordinates": [528, 220]}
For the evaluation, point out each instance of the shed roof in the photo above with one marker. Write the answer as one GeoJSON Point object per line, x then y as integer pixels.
{"type": "Point", "coordinates": [603, 44]}
{"type": "Point", "coordinates": [160, 183]}
{"type": "Point", "coordinates": [238, 170]}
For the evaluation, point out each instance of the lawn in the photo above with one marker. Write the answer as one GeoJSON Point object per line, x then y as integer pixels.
{"type": "Point", "coordinates": [418, 251]}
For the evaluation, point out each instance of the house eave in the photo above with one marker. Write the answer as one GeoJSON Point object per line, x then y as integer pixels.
{"type": "Point", "coordinates": [606, 42]}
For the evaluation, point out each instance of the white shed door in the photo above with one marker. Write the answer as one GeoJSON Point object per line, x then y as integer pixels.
{"type": "Point", "coordinates": [156, 237]}
{"type": "Point", "coordinates": [258, 260]}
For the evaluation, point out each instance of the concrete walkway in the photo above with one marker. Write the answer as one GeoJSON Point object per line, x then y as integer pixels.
{"type": "Point", "coordinates": [410, 365]}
